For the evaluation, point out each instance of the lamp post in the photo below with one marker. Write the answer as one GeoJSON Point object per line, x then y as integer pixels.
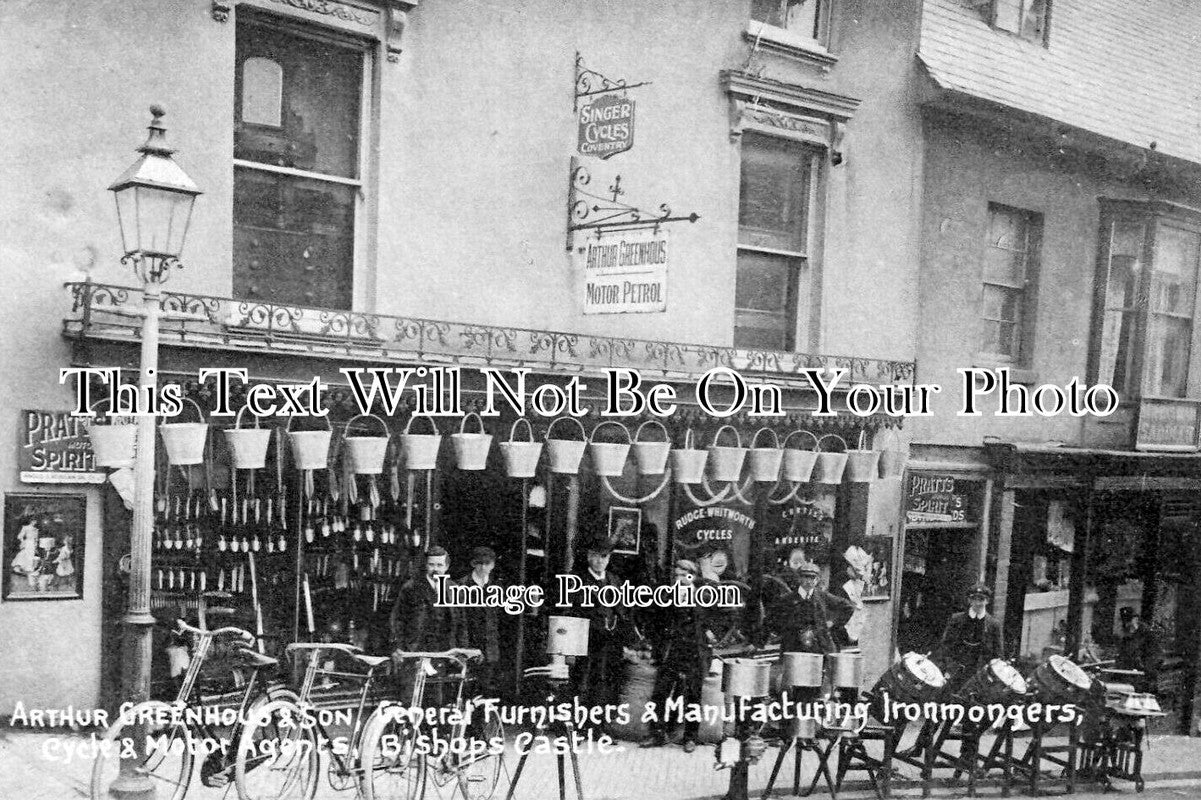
{"type": "Point", "coordinates": [154, 206]}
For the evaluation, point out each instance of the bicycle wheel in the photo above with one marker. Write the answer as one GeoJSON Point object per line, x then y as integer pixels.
{"type": "Point", "coordinates": [390, 764]}
{"type": "Point", "coordinates": [277, 755]}
{"type": "Point", "coordinates": [479, 769]}
{"type": "Point", "coordinates": [168, 762]}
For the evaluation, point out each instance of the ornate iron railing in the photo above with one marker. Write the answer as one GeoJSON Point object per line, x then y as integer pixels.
{"type": "Point", "coordinates": [269, 327]}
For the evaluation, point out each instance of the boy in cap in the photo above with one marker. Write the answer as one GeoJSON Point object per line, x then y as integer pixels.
{"type": "Point", "coordinates": [482, 624]}
{"type": "Point", "coordinates": [971, 639]}
{"type": "Point", "coordinates": [683, 655]}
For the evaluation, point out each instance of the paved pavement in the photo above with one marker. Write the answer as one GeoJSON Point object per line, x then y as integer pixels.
{"type": "Point", "coordinates": [39, 766]}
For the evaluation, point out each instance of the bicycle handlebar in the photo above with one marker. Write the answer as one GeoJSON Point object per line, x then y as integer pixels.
{"type": "Point", "coordinates": [462, 655]}
{"type": "Point", "coordinates": [183, 627]}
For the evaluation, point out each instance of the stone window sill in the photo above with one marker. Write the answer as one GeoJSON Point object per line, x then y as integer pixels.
{"type": "Point", "coordinates": [798, 48]}
{"type": "Point", "coordinates": [1017, 374]}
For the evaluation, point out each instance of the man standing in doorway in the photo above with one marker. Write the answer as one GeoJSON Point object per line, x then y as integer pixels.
{"type": "Point", "coordinates": [971, 639]}
{"type": "Point", "coordinates": [1139, 649]}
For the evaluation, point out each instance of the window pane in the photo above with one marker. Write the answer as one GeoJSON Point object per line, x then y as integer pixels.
{"type": "Point", "coordinates": [798, 16]}
{"type": "Point", "coordinates": [318, 126]}
{"type": "Point", "coordinates": [773, 193]}
{"type": "Point", "coordinates": [1008, 246]}
{"type": "Point", "coordinates": [1001, 303]}
{"type": "Point", "coordinates": [763, 282]}
{"type": "Point", "coordinates": [1008, 15]}
{"type": "Point", "coordinates": [1121, 298]}
{"type": "Point", "coordinates": [764, 303]}
{"type": "Point", "coordinates": [1167, 356]}
{"type": "Point", "coordinates": [1034, 21]}
{"type": "Point", "coordinates": [1174, 278]}
{"type": "Point", "coordinates": [293, 239]}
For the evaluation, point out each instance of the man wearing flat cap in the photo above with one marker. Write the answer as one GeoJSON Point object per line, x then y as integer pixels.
{"type": "Point", "coordinates": [803, 617]}
{"type": "Point", "coordinates": [683, 654]}
{"type": "Point", "coordinates": [972, 638]}
{"type": "Point", "coordinates": [482, 624]}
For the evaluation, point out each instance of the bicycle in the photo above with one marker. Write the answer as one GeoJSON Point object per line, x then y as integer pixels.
{"type": "Point", "coordinates": [397, 757]}
{"type": "Point", "coordinates": [176, 732]}
{"type": "Point", "coordinates": [280, 748]}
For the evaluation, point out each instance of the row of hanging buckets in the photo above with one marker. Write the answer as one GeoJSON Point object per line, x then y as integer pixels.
{"type": "Point", "coordinates": [800, 457]}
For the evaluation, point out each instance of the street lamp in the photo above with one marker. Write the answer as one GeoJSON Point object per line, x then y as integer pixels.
{"type": "Point", "coordinates": [154, 206]}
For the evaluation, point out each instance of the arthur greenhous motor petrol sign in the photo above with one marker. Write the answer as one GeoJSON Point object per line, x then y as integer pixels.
{"type": "Point", "coordinates": [606, 126]}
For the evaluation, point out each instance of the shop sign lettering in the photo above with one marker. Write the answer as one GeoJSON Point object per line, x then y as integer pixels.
{"type": "Point", "coordinates": [54, 448]}
{"type": "Point", "coordinates": [606, 126]}
{"type": "Point", "coordinates": [624, 272]}
{"type": "Point", "coordinates": [941, 498]}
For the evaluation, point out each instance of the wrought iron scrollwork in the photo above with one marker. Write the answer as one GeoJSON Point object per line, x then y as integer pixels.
{"type": "Point", "coordinates": [589, 82]}
{"type": "Point", "coordinates": [588, 210]}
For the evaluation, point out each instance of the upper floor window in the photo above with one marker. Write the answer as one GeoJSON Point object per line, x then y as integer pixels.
{"type": "Point", "coordinates": [805, 19]}
{"type": "Point", "coordinates": [1024, 18]}
{"type": "Point", "coordinates": [776, 198]}
{"type": "Point", "coordinates": [1009, 283]}
{"type": "Point", "coordinates": [1148, 268]}
{"type": "Point", "coordinates": [299, 99]}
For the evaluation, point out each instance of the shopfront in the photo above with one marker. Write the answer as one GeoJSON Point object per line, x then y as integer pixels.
{"type": "Point", "coordinates": [297, 552]}
{"type": "Point", "coordinates": [1090, 539]}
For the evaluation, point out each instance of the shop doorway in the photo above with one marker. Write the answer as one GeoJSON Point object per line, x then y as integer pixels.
{"type": "Point", "coordinates": [939, 568]}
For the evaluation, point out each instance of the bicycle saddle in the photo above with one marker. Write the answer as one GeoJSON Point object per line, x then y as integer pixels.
{"type": "Point", "coordinates": [257, 659]}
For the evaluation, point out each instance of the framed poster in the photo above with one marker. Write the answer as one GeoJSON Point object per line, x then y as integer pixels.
{"type": "Point", "coordinates": [625, 525]}
{"type": "Point", "coordinates": [878, 584]}
{"type": "Point", "coordinates": [43, 546]}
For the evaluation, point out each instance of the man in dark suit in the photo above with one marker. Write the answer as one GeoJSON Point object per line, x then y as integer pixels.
{"type": "Point", "coordinates": [1139, 649]}
{"type": "Point", "coordinates": [803, 617]}
{"type": "Point", "coordinates": [971, 639]}
{"type": "Point", "coordinates": [418, 624]}
{"type": "Point", "coordinates": [482, 625]}
{"type": "Point", "coordinates": [683, 654]}
{"type": "Point", "coordinates": [596, 676]}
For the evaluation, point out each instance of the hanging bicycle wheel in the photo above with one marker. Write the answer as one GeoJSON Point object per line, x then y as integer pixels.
{"type": "Point", "coordinates": [277, 755]}
{"type": "Point", "coordinates": [392, 766]}
{"type": "Point", "coordinates": [479, 769]}
{"type": "Point", "coordinates": [159, 751]}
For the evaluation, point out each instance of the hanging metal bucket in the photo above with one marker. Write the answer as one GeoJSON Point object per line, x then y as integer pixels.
{"type": "Point", "coordinates": [651, 456]}
{"type": "Point", "coordinates": [688, 464]}
{"type": "Point", "coordinates": [365, 454]}
{"type": "Point", "coordinates": [765, 461]}
{"type": "Point", "coordinates": [565, 454]}
{"type": "Point", "coordinates": [746, 677]}
{"type": "Point", "coordinates": [609, 458]}
{"type": "Point", "coordinates": [725, 462]}
{"type": "Point", "coordinates": [471, 449]}
{"type": "Point", "coordinates": [247, 446]}
{"type": "Point", "coordinates": [802, 669]}
{"type": "Point", "coordinates": [892, 457]}
{"type": "Point", "coordinates": [420, 449]}
{"type": "Point", "coordinates": [846, 670]}
{"type": "Point", "coordinates": [862, 465]}
{"type": "Point", "coordinates": [521, 458]}
{"type": "Point", "coordinates": [798, 464]}
{"type": "Point", "coordinates": [310, 449]}
{"type": "Point", "coordinates": [113, 445]}
{"type": "Point", "coordinates": [567, 636]}
{"type": "Point", "coordinates": [184, 441]}
{"type": "Point", "coordinates": [830, 463]}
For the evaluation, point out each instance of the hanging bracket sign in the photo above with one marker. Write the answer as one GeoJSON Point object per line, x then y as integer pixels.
{"type": "Point", "coordinates": [606, 126]}
{"type": "Point", "coordinates": [624, 272]}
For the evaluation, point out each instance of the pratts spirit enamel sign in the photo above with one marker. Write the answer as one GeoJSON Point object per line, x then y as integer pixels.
{"type": "Point", "coordinates": [606, 126]}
